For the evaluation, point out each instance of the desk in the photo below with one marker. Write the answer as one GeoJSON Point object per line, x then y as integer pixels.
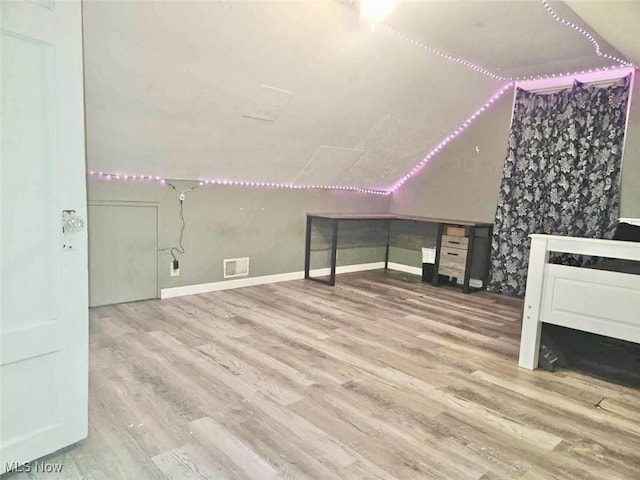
{"type": "Point", "coordinates": [334, 220]}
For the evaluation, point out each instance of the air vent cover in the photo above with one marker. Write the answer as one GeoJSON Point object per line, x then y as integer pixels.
{"type": "Point", "coordinates": [236, 267]}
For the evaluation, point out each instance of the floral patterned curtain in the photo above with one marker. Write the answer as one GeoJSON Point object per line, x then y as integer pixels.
{"type": "Point", "coordinates": [561, 175]}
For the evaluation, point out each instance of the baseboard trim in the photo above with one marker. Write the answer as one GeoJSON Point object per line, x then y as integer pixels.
{"type": "Point", "coordinates": [404, 268]}
{"type": "Point", "coordinates": [320, 272]}
{"type": "Point", "coordinates": [263, 280]}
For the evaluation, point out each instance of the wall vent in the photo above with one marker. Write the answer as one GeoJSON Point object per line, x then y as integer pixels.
{"type": "Point", "coordinates": [236, 267]}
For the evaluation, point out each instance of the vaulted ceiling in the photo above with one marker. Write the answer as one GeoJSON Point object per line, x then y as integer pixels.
{"type": "Point", "coordinates": [304, 92]}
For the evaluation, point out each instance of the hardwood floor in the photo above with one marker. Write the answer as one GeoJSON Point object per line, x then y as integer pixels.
{"type": "Point", "coordinates": [378, 377]}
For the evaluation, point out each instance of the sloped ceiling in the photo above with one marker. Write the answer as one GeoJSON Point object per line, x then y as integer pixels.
{"type": "Point", "coordinates": [619, 22]}
{"type": "Point", "coordinates": [303, 92]}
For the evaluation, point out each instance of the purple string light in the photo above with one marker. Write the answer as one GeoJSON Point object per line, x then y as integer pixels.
{"type": "Point", "coordinates": [446, 56]}
{"type": "Point", "coordinates": [446, 140]}
{"type": "Point", "coordinates": [240, 183]}
{"type": "Point", "coordinates": [488, 73]}
{"type": "Point", "coordinates": [586, 34]}
{"type": "Point", "coordinates": [462, 127]}
{"type": "Point", "coordinates": [237, 183]}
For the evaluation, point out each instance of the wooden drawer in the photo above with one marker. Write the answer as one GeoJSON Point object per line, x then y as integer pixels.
{"type": "Point", "coordinates": [452, 262]}
{"type": "Point", "coordinates": [457, 231]}
{"type": "Point", "coordinates": [449, 241]}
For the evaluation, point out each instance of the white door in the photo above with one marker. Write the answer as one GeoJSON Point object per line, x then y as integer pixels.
{"type": "Point", "coordinates": [43, 287]}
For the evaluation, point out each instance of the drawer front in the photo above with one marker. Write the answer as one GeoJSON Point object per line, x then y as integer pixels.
{"type": "Point", "coordinates": [457, 231]}
{"type": "Point", "coordinates": [449, 241]}
{"type": "Point", "coordinates": [452, 262]}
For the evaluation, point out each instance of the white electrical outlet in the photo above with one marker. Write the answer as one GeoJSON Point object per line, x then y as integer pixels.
{"type": "Point", "coordinates": [174, 272]}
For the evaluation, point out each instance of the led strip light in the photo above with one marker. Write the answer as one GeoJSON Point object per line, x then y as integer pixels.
{"type": "Point", "coordinates": [461, 128]}
{"type": "Point", "coordinates": [231, 183]}
{"type": "Point", "coordinates": [488, 73]}
{"type": "Point", "coordinates": [451, 58]}
{"type": "Point", "coordinates": [586, 34]}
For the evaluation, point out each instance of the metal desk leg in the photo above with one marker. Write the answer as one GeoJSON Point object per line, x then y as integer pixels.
{"type": "Point", "coordinates": [485, 276]}
{"type": "Point", "coordinates": [436, 265]}
{"type": "Point", "coordinates": [334, 250]}
{"type": "Point", "coordinates": [467, 267]}
{"type": "Point", "coordinates": [307, 248]}
{"type": "Point", "coordinates": [386, 253]}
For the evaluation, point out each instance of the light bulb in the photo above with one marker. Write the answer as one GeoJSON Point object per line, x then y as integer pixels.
{"type": "Point", "coordinates": [372, 11]}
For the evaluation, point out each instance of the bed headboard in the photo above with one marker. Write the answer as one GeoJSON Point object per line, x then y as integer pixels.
{"type": "Point", "coordinates": [596, 301]}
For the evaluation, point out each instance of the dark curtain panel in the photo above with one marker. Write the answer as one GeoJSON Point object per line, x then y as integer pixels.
{"type": "Point", "coordinates": [561, 175]}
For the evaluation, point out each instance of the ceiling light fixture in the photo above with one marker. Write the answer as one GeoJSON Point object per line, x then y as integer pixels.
{"type": "Point", "coordinates": [373, 11]}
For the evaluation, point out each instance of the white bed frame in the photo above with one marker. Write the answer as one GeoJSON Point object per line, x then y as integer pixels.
{"type": "Point", "coordinates": [596, 301]}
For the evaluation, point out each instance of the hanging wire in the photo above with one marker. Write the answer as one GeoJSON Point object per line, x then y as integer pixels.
{"type": "Point", "coordinates": [180, 248]}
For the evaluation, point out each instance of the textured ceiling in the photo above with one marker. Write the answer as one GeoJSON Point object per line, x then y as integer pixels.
{"type": "Point", "coordinates": [303, 92]}
{"type": "Point", "coordinates": [617, 21]}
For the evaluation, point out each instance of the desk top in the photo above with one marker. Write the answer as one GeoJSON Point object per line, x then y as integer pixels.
{"type": "Point", "coordinates": [389, 216]}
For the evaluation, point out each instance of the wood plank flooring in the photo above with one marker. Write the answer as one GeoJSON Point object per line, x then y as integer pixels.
{"type": "Point", "coordinates": [380, 377]}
